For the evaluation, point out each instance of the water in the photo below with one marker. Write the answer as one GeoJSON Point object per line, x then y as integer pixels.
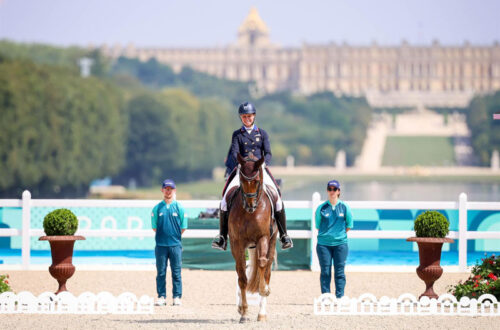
{"type": "Point", "coordinates": [146, 257]}
{"type": "Point", "coordinates": [400, 191]}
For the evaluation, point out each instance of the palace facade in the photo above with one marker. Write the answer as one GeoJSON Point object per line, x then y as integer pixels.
{"type": "Point", "coordinates": [402, 75]}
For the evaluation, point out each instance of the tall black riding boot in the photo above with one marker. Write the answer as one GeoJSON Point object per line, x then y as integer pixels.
{"type": "Point", "coordinates": [220, 241]}
{"type": "Point", "coordinates": [286, 241]}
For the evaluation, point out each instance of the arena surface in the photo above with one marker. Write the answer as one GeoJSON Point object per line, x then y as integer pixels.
{"type": "Point", "coordinates": [209, 301]}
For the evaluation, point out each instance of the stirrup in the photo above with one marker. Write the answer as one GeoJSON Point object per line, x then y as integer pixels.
{"type": "Point", "coordinates": [286, 242]}
{"type": "Point", "coordinates": [219, 243]}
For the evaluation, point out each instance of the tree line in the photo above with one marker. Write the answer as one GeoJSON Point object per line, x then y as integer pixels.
{"type": "Point", "coordinates": [485, 132]}
{"type": "Point", "coordinates": [140, 121]}
{"type": "Point", "coordinates": [57, 131]}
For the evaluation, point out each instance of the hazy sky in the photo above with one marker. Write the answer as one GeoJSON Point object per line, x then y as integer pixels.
{"type": "Point", "coordinates": [215, 22]}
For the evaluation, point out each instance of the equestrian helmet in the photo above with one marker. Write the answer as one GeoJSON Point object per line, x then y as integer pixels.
{"type": "Point", "coordinates": [246, 108]}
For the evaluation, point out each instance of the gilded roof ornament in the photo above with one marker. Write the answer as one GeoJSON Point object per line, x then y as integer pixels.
{"type": "Point", "coordinates": [253, 22]}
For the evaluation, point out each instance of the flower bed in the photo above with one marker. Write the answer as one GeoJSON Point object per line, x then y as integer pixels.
{"type": "Point", "coordinates": [484, 279]}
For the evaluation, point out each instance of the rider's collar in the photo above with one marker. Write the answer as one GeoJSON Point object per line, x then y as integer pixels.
{"type": "Point", "coordinates": [254, 128]}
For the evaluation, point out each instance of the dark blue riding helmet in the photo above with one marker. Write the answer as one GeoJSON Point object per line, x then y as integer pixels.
{"type": "Point", "coordinates": [246, 108]}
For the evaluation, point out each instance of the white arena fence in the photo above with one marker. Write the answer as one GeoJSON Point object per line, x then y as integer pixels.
{"type": "Point", "coordinates": [406, 304]}
{"type": "Point", "coordinates": [66, 303]}
{"type": "Point", "coordinates": [462, 235]}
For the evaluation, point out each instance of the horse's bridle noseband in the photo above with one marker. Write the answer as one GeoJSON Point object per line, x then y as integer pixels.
{"type": "Point", "coordinates": [256, 194]}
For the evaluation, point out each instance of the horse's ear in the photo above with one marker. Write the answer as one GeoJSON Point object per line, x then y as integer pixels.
{"type": "Point", "coordinates": [259, 162]}
{"type": "Point", "coordinates": [240, 159]}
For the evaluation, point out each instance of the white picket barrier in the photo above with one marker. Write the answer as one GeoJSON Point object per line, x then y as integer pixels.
{"type": "Point", "coordinates": [406, 304]}
{"type": "Point", "coordinates": [66, 303]}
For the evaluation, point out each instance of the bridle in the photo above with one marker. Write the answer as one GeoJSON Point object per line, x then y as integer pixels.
{"type": "Point", "coordinates": [255, 195]}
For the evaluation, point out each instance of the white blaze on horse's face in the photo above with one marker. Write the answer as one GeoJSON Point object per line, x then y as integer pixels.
{"type": "Point", "coordinates": [250, 187]}
{"type": "Point", "coordinates": [250, 194]}
{"type": "Point", "coordinates": [251, 180]}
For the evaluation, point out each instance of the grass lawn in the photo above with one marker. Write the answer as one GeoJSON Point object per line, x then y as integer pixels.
{"type": "Point", "coordinates": [418, 150]}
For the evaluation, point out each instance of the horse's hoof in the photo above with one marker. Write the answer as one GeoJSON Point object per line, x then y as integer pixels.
{"type": "Point", "coordinates": [241, 310]}
{"type": "Point", "coordinates": [244, 319]}
{"type": "Point", "coordinates": [262, 317]}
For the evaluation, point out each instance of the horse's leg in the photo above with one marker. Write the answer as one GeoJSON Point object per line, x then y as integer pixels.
{"type": "Point", "coordinates": [262, 309]}
{"type": "Point", "coordinates": [271, 257]}
{"type": "Point", "coordinates": [239, 257]}
{"type": "Point", "coordinates": [262, 262]}
{"type": "Point", "coordinates": [267, 278]}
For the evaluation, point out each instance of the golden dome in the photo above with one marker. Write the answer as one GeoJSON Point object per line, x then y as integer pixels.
{"type": "Point", "coordinates": [253, 22]}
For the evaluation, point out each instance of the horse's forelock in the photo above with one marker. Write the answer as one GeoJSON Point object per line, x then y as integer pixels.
{"type": "Point", "coordinates": [249, 168]}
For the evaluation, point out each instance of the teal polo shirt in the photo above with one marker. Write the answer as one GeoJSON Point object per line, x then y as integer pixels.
{"type": "Point", "coordinates": [332, 221]}
{"type": "Point", "coordinates": [168, 220]}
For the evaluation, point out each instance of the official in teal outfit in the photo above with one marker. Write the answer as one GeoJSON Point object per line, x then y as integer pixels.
{"type": "Point", "coordinates": [168, 220]}
{"type": "Point", "coordinates": [333, 221]}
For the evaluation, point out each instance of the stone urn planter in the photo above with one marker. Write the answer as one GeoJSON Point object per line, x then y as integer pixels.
{"type": "Point", "coordinates": [429, 270]}
{"type": "Point", "coordinates": [59, 226]}
{"type": "Point", "coordinates": [431, 227]}
{"type": "Point", "coordinates": [61, 249]}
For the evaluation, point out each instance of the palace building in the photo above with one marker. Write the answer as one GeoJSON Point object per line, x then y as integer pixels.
{"type": "Point", "coordinates": [402, 75]}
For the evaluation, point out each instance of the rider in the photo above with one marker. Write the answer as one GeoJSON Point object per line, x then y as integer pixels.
{"type": "Point", "coordinates": [250, 140]}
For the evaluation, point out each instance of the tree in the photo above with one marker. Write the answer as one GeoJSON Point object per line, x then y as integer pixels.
{"type": "Point", "coordinates": [485, 132]}
{"type": "Point", "coordinates": [58, 131]}
{"type": "Point", "coordinates": [150, 143]}
{"type": "Point", "coordinates": [174, 134]}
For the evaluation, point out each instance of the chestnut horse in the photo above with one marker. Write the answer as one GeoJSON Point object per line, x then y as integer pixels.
{"type": "Point", "coordinates": [250, 225]}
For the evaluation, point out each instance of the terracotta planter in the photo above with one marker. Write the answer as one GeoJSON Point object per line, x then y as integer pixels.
{"type": "Point", "coordinates": [61, 248]}
{"type": "Point", "coordinates": [429, 270]}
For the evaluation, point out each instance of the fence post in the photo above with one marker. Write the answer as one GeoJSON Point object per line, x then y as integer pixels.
{"type": "Point", "coordinates": [316, 200]}
{"type": "Point", "coordinates": [462, 232]}
{"type": "Point", "coordinates": [26, 237]}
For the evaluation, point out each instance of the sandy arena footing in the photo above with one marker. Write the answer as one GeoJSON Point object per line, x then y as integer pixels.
{"type": "Point", "coordinates": [209, 301]}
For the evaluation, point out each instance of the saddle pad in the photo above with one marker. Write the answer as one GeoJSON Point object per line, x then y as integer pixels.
{"type": "Point", "coordinates": [230, 196]}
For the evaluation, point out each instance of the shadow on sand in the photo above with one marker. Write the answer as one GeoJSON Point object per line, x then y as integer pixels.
{"type": "Point", "coordinates": [187, 321]}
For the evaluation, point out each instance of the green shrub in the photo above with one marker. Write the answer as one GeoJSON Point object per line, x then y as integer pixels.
{"type": "Point", "coordinates": [431, 224]}
{"type": "Point", "coordinates": [4, 283]}
{"type": "Point", "coordinates": [60, 222]}
{"type": "Point", "coordinates": [484, 278]}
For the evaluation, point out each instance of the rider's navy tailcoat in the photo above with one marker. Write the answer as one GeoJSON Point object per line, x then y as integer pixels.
{"type": "Point", "coordinates": [257, 143]}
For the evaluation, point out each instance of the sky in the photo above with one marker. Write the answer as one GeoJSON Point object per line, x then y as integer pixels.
{"type": "Point", "coordinates": [209, 23]}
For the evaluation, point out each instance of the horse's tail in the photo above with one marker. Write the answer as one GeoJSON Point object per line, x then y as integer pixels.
{"type": "Point", "coordinates": [255, 277]}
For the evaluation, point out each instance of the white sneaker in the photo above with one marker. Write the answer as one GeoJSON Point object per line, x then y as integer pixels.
{"type": "Point", "coordinates": [177, 301]}
{"type": "Point", "coordinates": [161, 302]}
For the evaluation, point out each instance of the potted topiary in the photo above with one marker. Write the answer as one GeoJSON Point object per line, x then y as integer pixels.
{"type": "Point", "coordinates": [59, 226]}
{"type": "Point", "coordinates": [431, 228]}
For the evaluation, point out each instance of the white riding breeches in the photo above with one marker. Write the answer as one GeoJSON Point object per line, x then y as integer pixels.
{"type": "Point", "coordinates": [236, 182]}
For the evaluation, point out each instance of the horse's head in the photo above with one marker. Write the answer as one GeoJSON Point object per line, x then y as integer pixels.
{"type": "Point", "coordinates": [251, 179]}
